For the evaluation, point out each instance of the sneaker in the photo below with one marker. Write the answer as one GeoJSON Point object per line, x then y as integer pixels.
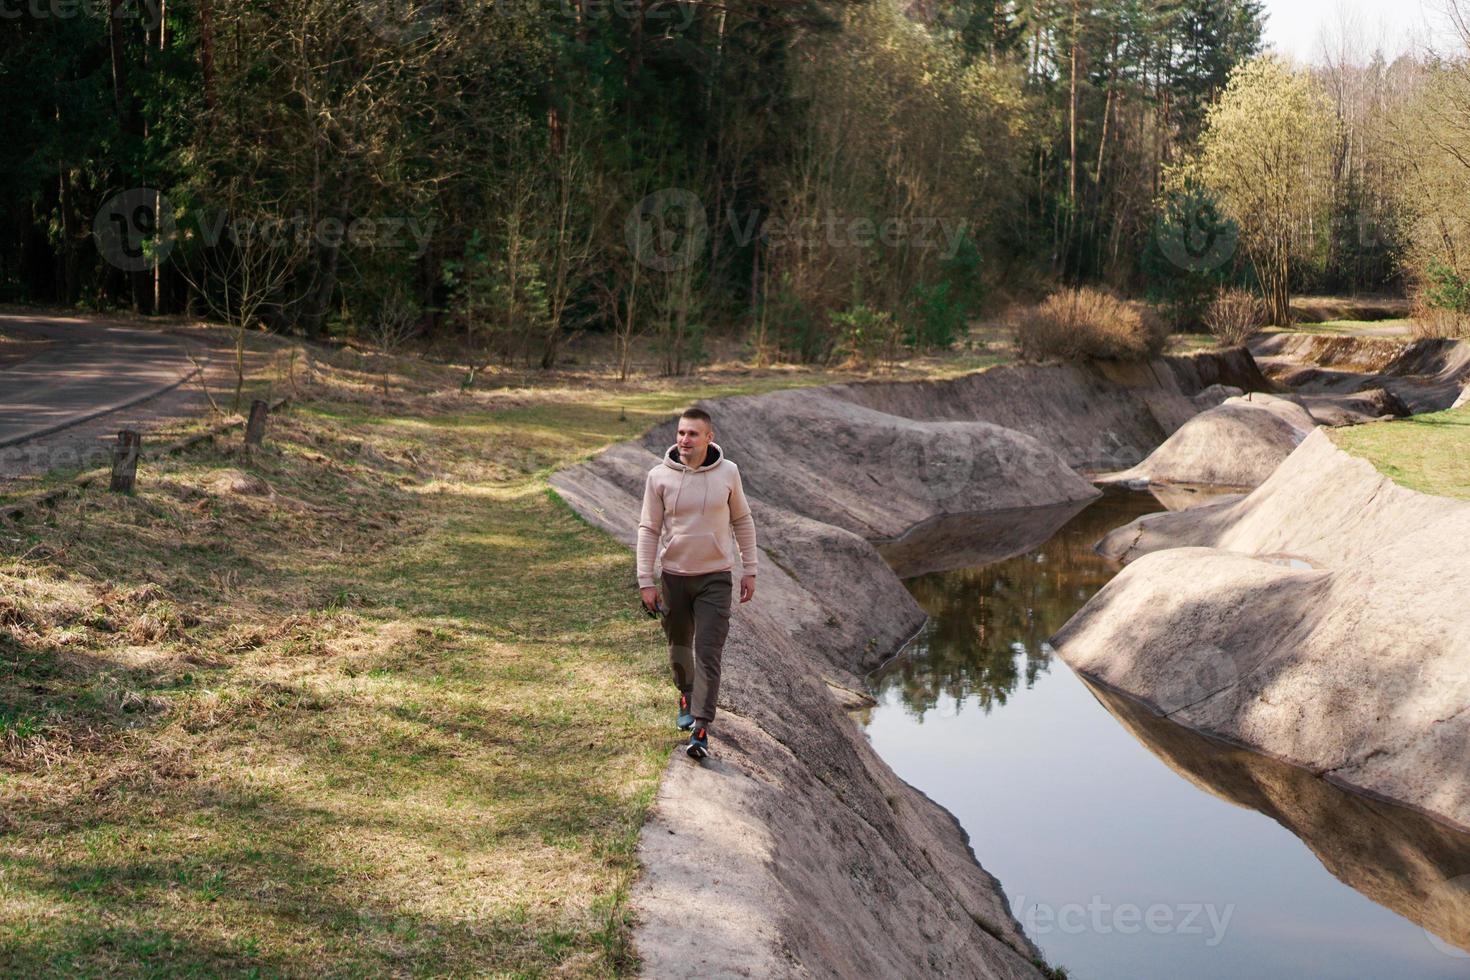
{"type": "Point", "coordinates": [698, 746]}
{"type": "Point", "coordinates": [686, 719]}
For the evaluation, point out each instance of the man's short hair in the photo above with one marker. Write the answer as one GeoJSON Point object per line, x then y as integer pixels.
{"type": "Point", "coordinates": [698, 414]}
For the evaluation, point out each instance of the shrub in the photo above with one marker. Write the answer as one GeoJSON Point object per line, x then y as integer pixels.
{"type": "Point", "coordinates": [1190, 256]}
{"type": "Point", "coordinates": [867, 336]}
{"type": "Point", "coordinates": [1445, 289]}
{"type": "Point", "coordinates": [1234, 315]}
{"type": "Point", "coordinates": [1436, 322]}
{"type": "Point", "coordinates": [936, 317]}
{"type": "Point", "coordinates": [1442, 303]}
{"type": "Point", "coordinates": [1077, 324]}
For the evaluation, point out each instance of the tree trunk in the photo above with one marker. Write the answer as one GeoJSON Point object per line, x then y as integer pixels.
{"type": "Point", "coordinates": [206, 51]}
{"type": "Point", "coordinates": [1072, 114]}
{"type": "Point", "coordinates": [115, 48]}
{"type": "Point", "coordinates": [324, 285]}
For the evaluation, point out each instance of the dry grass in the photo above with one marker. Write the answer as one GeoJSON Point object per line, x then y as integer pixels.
{"type": "Point", "coordinates": [1350, 328]}
{"type": "Point", "coordinates": [1433, 323]}
{"type": "Point", "coordinates": [1234, 315]}
{"type": "Point", "coordinates": [1088, 323]}
{"type": "Point", "coordinates": [392, 712]}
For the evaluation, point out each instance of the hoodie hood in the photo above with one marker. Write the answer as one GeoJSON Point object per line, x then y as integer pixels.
{"type": "Point", "coordinates": [712, 458]}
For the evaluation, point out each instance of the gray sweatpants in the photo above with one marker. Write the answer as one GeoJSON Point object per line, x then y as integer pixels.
{"type": "Point", "coordinates": [697, 624]}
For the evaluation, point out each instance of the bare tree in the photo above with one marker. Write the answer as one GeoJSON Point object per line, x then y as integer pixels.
{"type": "Point", "coordinates": [239, 278]}
{"type": "Point", "coordinates": [394, 323]}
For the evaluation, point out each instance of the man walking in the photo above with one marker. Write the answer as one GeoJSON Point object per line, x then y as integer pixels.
{"type": "Point", "coordinates": [692, 503]}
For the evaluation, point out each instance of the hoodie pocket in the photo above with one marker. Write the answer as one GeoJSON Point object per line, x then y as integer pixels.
{"type": "Point", "coordinates": [694, 552]}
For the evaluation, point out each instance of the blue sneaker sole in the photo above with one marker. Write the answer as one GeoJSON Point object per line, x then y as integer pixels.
{"type": "Point", "coordinates": [697, 751]}
{"type": "Point", "coordinates": [686, 722]}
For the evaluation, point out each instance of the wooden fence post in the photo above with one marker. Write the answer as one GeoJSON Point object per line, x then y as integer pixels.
{"type": "Point", "coordinates": [255, 428]}
{"type": "Point", "coordinates": [125, 461]}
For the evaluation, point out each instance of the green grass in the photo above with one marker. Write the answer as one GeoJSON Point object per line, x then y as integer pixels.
{"type": "Point", "coordinates": [1347, 328]}
{"type": "Point", "coordinates": [397, 716]}
{"type": "Point", "coordinates": [1429, 453]}
{"type": "Point", "coordinates": [1189, 343]}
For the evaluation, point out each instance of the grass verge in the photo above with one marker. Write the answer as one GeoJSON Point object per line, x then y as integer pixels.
{"type": "Point", "coordinates": [1398, 328]}
{"type": "Point", "coordinates": [1429, 453]}
{"type": "Point", "coordinates": [370, 702]}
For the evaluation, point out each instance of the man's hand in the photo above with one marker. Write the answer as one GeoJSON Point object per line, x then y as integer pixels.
{"type": "Point", "coordinates": [650, 598]}
{"type": "Point", "coordinates": [747, 588]}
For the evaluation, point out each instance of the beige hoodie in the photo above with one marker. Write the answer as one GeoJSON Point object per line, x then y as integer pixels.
{"type": "Point", "coordinates": [691, 513]}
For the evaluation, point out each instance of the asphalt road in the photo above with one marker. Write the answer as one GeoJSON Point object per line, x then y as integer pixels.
{"type": "Point", "coordinates": [91, 368]}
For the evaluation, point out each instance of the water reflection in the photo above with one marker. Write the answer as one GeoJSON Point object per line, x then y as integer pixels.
{"type": "Point", "coordinates": [1399, 858]}
{"type": "Point", "coordinates": [988, 625]}
{"type": "Point", "coordinates": [1074, 796]}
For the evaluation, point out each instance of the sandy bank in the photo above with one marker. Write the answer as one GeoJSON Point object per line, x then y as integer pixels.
{"type": "Point", "coordinates": [1321, 619]}
{"type": "Point", "coordinates": [1238, 443]}
{"type": "Point", "coordinates": [800, 849]}
{"type": "Point", "coordinates": [1425, 375]}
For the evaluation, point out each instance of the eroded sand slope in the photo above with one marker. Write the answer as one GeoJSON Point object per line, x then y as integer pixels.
{"type": "Point", "coordinates": [798, 849]}
{"type": "Point", "coordinates": [1323, 619]}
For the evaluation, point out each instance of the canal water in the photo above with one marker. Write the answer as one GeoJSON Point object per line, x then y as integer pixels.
{"type": "Point", "coordinates": [1128, 846]}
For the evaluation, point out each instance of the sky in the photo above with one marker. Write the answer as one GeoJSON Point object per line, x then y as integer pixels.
{"type": "Point", "coordinates": [1295, 27]}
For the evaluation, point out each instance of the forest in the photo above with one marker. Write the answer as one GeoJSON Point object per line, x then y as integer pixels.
{"type": "Point", "coordinates": [816, 179]}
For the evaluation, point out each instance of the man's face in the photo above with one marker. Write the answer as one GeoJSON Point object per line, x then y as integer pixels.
{"type": "Point", "coordinates": [695, 435]}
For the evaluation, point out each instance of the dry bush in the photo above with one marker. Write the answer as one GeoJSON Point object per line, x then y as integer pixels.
{"type": "Point", "coordinates": [1437, 323]}
{"type": "Point", "coordinates": [1234, 315]}
{"type": "Point", "coordinates": [1078, 324]}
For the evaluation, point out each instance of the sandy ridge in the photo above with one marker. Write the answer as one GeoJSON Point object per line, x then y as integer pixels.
{"type": "Point", "coordinates": [1321, 620]}
{"type": "Point", "coordinates": [798, 848]}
